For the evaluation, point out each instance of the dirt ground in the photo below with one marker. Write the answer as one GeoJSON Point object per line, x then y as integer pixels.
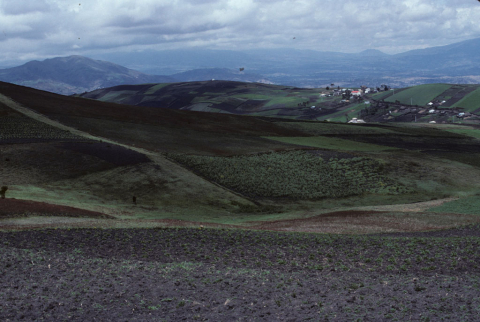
{"type": "Point", "coordinates": [192, 274]}
{"type": "Point", "coordinates": [15, 208]}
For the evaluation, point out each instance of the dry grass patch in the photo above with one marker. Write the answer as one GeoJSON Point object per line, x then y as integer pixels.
{"type": "Point", "coordinates": [369, 222]}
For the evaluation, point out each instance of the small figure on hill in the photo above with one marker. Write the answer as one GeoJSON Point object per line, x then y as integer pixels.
{"type": "Point", "coordinates": [2, 191]}
{"type": "Point", "coordinates": [134, 200]}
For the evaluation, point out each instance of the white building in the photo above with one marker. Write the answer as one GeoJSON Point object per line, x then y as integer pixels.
{"type": "Point", "coordinates": [355, 120]}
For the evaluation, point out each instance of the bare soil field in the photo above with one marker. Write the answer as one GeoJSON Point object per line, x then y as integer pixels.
{"type": "Point", "coordinates": [13, 208]}
{"type": "Point", "coordinates": [368, 222]}
{"type": "Point", "coordinates": [218, 274]}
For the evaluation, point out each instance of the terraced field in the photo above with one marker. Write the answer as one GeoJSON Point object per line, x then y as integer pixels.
{"type": "Point", "coordinates": [225, 97]}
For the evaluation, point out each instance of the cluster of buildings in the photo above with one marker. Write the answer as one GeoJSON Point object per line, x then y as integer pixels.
{"type": "Point", "coordinates": [354, 92]}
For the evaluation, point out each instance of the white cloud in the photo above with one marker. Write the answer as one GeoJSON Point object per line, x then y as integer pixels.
{"type": "Point", "coordinates": [43, 28]}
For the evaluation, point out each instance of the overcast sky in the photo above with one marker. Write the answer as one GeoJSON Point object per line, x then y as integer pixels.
{"type": "Point", "coordinates": [38, 29]}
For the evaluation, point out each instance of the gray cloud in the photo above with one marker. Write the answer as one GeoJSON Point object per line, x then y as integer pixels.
{"type": "Point", "coordinates": [24, 7]}
{"type": "Point", "coordinates": [44, 28]}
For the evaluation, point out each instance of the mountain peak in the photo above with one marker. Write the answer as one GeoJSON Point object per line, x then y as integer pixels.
{"type": "Point", "coordinates": [372, 52]}
{"type": "Point", "coordinates": [75, 74]}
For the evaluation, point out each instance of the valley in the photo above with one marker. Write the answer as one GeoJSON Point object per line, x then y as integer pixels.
{"type": "Point", "coordinates": [142, 212]}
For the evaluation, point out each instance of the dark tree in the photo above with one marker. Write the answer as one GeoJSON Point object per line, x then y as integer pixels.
{"type": "Point", "coordinates": [346, 94]}
{"type": "Point", "coordinates": [2, 191]}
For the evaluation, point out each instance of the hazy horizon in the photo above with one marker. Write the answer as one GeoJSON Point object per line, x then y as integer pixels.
{"type": "Point", "coordinates": [40, 29]}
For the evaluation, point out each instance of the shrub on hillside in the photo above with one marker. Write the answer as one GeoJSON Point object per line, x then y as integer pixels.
{"type": "Point", "coordinates": [297, 174]}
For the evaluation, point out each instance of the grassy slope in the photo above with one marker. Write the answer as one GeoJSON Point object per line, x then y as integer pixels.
{"type": "Point", "coordinates": [471, 102]}
{"type": "Point", "coordinates": [232, 97]}
{"type": "Point", "coordinates": [419, 95]}
{"type": "Point", "coordinates": [379, 270]}
{"type": "Point", "coordinates": [279, 101]}
{"type": "Point", "coordinates": [339, 116]}
{"type": "Point", "coordinates": [165, 190]}
{"type": "Point", "coordinates": [473, 132]}
{"type": "Point", "coordinates": [467, 205]}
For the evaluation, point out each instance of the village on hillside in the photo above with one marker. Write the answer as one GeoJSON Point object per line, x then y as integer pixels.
{"type": "Point", "coordinates": [365, 104]}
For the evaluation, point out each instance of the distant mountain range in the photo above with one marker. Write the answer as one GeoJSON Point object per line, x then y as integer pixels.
{"type": "Point", "coordinates": [78, 74]}
{"type": "Point", "coordinates": [75, 74]}
{"type": "Point", "coordinates": [220, 74]}
{"type": "Point", "coordinates": [456, 63]}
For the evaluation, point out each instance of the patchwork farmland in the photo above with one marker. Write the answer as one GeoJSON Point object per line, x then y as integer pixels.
{"type": "Point", "coordinates": [126, 212]}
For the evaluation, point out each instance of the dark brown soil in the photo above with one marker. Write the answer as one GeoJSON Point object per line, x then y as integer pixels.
{"type": "Point", "coordinates": [226, 275]}
{"type": "Point", "coordinates": [111, 153]}
{"type": "Point", "coordinates": [157, 129]}
{"type": "Point", "coordinates": [14, 208]}
{"type": "Point", "coordinates": [55, 105]}
{"type": "Point", "coordinates": [45, 162]}
{"type": "Point", "coordinates": [280, 224]}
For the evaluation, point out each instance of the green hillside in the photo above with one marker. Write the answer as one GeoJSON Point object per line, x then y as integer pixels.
{"type": "Point", "coordinates": [471, 102]}
{"type": "Point", "coordinates": [231, 97]}
{"type": "Point", "coordinates": [419, 95]}
{"type": "Point", "coordinates": [319, 104]}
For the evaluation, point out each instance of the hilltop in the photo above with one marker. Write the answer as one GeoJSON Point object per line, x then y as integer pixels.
{"type": "Point", "coordinates": [79, 74]}
{"type": "Point", "coordinates": [75, 74]}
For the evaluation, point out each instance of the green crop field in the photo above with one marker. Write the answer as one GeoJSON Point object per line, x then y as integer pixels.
{"type": "Point", "coordinates": [339, 116]}
{"type": "Point", "coordinates": [155, 88]}
{"type": "Point", "coordinates": [471, 102]}
{"type": "Point", "coordinates": [419, 95]}
{"type": "Point", "coordinates": [117, 96]}
{"type": "Point", "coordinates": [467, 205]}
{"type": "Point", "coordinates": [292, 100]}
{"type": "Point", "coordinates": [381, 95]}
{"type": "Point", "coordinates": [475, 133]}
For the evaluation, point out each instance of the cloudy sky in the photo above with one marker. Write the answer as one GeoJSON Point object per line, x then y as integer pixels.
{"type": "Point", "coordinates": [38, 29]}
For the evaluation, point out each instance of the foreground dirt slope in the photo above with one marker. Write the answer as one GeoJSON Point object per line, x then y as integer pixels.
{"type": "Point", "coordinates": [203, 274]}
{"type": "Point", "coordinates": [11, 208]}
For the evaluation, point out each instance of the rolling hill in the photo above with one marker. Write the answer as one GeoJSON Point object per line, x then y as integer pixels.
{"type": "Point", "coordinates": [75, 74]}
{"type": "Point", "coordinates": [412, 104]}
{"type": "Point", "coordinates": [145, 213]}
{"type": "Point", "coordinates": [219, 96]}
{"type": "Point", "coordinates": [219, 74]}
{"type": "Point", "coordinates": [217, 167]}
